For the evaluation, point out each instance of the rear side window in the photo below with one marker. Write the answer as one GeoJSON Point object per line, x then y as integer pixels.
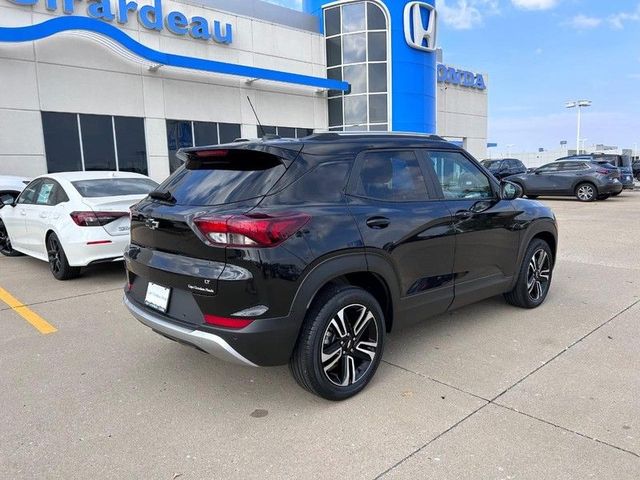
{"type": "Point", "coordinates": [219, 180]}
{"type": "Point", "coordinates": [391, 176]}
{"type": "Point", "coordinates": [571, 165]}
{"type": "Point", "coordinates": [323, 184]}
{"type": "Point", "coordinates": [46, 193]}
{"type": "Point", "coordinates": [113, 187]}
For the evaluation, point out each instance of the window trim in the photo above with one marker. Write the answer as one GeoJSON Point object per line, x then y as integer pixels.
{"type": "Point", "coordinates": [354, 176]}
{"type": "Point", "coordinates": [435, 180]}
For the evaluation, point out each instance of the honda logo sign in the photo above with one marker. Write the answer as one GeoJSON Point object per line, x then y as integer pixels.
{"type": "Point", "coordinates": [420, 26]}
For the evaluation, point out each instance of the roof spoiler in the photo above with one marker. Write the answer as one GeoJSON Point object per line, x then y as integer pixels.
{"type": "Point", "coordinates": [197, 157]}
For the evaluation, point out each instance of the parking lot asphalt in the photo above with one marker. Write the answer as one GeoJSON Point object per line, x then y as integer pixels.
{"type": "Point", "coordinates": [488, 391]}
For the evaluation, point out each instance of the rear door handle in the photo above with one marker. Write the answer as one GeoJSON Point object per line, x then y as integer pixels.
{"type": "Point", "coordinates": [378, 222]}
{"type": "Point", "coordinates": [464, 214]}
{"type": "Point", "coordinates": [23, 213]}
{"type": "Point", "coordinates": [43, 215]}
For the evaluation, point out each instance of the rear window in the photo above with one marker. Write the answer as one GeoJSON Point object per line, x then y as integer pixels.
{"type": "Point", "coordinates": [237, 177]}
{"type": "Point", "coordinates": [113, 187]}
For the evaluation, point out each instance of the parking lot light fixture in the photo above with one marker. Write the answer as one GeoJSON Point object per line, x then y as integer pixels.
{"type": "Point", "coordinates": [578, 104]}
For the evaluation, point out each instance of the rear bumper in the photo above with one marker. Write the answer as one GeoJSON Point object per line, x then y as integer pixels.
{"type": "Point", "coordinates": [609, 188]}
{"type": "Point", "coordinates": [210, 343]}
{"type": "Point", "coordinates": [82, 252]}
{"type": "Point", "coordinates": [264, 343]}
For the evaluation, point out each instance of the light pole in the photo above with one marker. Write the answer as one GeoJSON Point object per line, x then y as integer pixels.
{"type": "Point", "coordinates": [578, 104]}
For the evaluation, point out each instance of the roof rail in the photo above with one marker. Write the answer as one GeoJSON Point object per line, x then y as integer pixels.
{"type": "Point", "coordinates": [327, 135]}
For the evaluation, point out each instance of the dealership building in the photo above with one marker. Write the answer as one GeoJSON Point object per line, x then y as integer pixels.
{"type": "Point", "coordinates": [122, 85]}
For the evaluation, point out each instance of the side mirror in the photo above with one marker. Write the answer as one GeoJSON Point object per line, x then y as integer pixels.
{"type": "Point", "coordinates": [510, 190]}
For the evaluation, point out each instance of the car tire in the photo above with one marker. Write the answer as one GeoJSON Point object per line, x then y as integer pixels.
{"type": "Point", "coordinates": [337, 354]}
{"type": "Point", "coordinates": [586, 192]}
{"type": "Point", "coordinates": [58, 262]}
{"type": "Point", "coordinates": [5, 244]}
{"type": "Point", "coordinates": [534, 276]}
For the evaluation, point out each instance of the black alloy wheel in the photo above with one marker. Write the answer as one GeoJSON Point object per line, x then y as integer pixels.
{"type": "Point", "coordinates": [58, 263]}
{"type": "Point", "coordinates": [534, 276]}
{"type": "Point", "coordinates": [5, 243]}
{"type": "Point", "coordinates": [340, 344]}
{"type": "Point", "coordinates": [538, 274]}
{"type": "Point", "coordinates": [349, 345]}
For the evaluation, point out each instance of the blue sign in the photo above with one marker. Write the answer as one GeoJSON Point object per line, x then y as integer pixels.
{"type": "Point", "coordinates": [73, 22]}
{"type": "Point", "coordinates": [413, 70]}
{"type": "Point", "coordinates": [460, 77]}
{"type": "Point", "coordinates": [149, 16]}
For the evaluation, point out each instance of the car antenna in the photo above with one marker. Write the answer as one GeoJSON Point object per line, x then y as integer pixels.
{"type": "Point", "coordinates": [256, 115]}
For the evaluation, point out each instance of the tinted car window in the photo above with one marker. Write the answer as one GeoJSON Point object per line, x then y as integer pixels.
{"type": "Point", "coordinates": [391, 176]}
{"type": "Point", "coordinates": [46, 193]}
{"type": "Point", "coordinates": [571, 165]}
{"type": "Point", "coordinates": [459, 177]}
{"type": "Point", "coordinates": [551, 167]}
{"type": "Point", "coordinates": [113, 187]}
{"type": "Point", "coordinates": [516, 164]}
{"type": "Point", "coordinates": [494, 166]}
{"type": "Point", "coordinates": [28, 195]}
{"type": "Point", "coordinates": [224, 181]}
{"type": "Point", "coordinates": [323, 184]}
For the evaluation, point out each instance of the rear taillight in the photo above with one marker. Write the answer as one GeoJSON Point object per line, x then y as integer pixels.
{"type": "Point", "coordinates": [252, 230]}
{"type": "Point", "coordinates": [235, 323]}
{"type": "Point", "coordinates": [96, 219]}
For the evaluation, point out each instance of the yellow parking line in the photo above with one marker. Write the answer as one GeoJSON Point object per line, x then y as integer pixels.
{"type": "Point", "coordinates": [25, 312]}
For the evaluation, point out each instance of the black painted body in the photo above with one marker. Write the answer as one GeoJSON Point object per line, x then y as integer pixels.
{"type": "Point", "coordinates": [430, 255]}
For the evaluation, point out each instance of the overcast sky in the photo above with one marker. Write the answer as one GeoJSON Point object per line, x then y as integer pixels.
{"type": "Point", "coordinates": [539, 54]}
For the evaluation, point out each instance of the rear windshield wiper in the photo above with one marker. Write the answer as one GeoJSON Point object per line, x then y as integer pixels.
{"type": "Point", "coordinates": [164, 196]}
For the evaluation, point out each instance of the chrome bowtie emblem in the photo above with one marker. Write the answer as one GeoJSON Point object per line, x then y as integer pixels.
{"type": "Point", "coordinates": [151, 223]}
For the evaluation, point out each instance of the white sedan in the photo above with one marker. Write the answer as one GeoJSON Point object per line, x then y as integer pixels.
{"type": "Point", "coordinates": [72, 219]}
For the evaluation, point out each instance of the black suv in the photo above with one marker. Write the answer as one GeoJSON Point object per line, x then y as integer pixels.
{"type": "Point", "coordinates": [504, 167]}
{"type": "Point", "coordinates": [310, 251]}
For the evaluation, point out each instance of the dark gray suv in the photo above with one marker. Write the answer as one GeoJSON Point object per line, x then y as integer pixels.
{"type": "Point", "coordinates": [587, 180]}
{"type": "Point", "coordinates": [621, 162]}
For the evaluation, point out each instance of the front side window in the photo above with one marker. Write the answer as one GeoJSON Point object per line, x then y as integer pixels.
{"type": "Point", "coordinates": [459, 177]}
{"type": "Point", "coordinates": [29, 194]}
{"type": "Point", "coordinates": [392, 177]}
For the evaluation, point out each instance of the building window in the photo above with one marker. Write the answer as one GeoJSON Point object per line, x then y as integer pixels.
{"type": "Point", "coordinates": [77, 142]}
{"type": "Point", "coordinates": [357, 39]}
{"type": "Point", "coordinates": [286, 132]}
{"type": "Point", "coordinates": [185, 134]}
